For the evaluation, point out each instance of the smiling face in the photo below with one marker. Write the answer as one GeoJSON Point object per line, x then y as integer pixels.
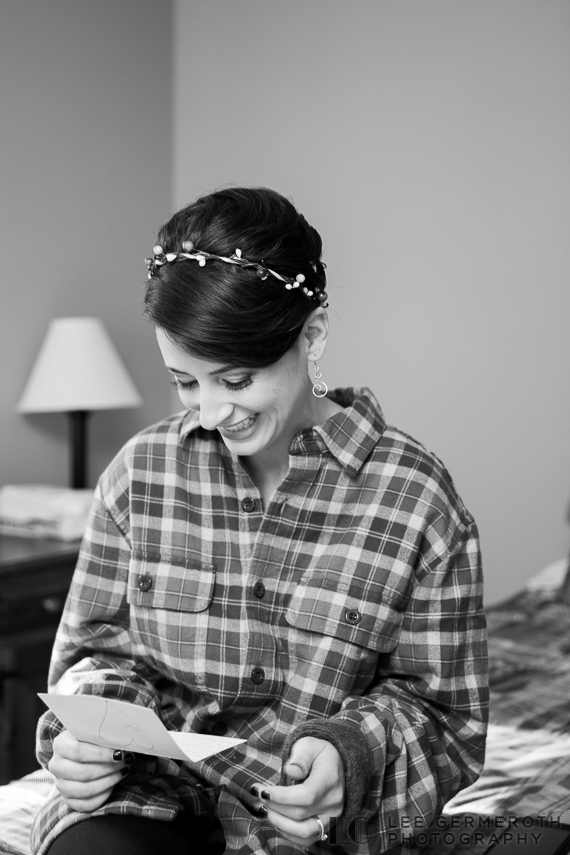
{"type": "Point", "coordinates": [256, 411]}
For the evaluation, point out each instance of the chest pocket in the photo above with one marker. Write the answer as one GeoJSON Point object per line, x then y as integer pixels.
{"type": "Point", "coordinates": [325, 605]}
{"type": "Point", "coordinates": [166, 581]}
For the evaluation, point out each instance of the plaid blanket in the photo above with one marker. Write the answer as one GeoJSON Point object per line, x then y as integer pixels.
{"type": "Point", "coordinates": [527, 762]}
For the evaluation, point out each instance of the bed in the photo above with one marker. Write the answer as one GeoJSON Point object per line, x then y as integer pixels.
{"type": "Point", "coordinates": [527, 762]}
{"type": "Point", "coordinates": [527, 766]}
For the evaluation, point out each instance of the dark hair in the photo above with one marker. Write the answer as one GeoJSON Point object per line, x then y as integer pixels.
{"type": "Point", "coordinates": [225, 313]}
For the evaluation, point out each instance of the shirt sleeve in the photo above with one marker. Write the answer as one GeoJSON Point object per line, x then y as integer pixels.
{"type": "Point", "coordinates": [417, 736]}
{"type": "Point", "coordinates": [92, 651]}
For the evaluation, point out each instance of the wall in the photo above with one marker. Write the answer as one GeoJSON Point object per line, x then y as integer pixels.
{"type": "Point", "coordinates": [428, 142]}
{"type": "Point", "coordinates": [85, 95]}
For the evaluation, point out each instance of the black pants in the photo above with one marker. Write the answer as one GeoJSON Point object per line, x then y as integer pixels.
{"type": "Point", "coordinates": [136, 835]}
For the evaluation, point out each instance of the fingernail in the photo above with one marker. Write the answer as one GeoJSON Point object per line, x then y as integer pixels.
{"type": "Point", "coordinates": [254, 792]}
{"type": "Point", "coordinates": [265, 795]}
{"type": "Point", "coordinates": [117, 755]}
{"type": "Point", "coordinates": [129, 758]}
{"type": "Point", "coordinates": [259, 811]}
{"type": "Point", "coordinates": [125, 771]}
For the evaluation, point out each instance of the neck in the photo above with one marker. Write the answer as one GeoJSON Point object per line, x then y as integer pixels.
{"type": "Point", "coordinates": [270, 466]}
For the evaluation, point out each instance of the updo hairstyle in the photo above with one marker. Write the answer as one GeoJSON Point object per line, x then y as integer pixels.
{"type": "Point", "coordinates": [224, 313]}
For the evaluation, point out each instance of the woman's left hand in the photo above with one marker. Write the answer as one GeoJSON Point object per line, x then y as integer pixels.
{"type": "Point", "coordinates": [292, 810]}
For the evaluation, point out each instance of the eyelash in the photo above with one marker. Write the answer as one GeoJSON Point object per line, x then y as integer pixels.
{"type": "Point", "coordinates": [232, 387]}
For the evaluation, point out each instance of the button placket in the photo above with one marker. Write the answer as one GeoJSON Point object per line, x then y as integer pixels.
{"type": "Point", "coordinates": [256, 521]}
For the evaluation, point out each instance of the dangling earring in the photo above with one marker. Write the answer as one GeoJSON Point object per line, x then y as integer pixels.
{"type": "Point", "coordinates": [320, 388]}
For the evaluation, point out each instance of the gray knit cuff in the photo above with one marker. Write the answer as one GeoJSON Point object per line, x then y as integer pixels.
{"type": "Point", "coordinates": [355, 753]}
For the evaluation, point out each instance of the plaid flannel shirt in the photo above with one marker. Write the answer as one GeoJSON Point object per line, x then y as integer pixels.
{"type": "Point", "coordinates": [350, 608]}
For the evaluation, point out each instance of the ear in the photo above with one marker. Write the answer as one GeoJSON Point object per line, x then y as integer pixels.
{"type": "Point", "coordinates": [314, 335]}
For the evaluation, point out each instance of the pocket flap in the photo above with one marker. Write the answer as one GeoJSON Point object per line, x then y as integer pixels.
{"type": "Point", "coordinates": [317, 606]}
{"type": "Point", "coordinates": [170, 582]}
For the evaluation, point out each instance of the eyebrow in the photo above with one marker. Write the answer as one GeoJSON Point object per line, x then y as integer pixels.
{"type": "Point", "coordinates": [212, 373]}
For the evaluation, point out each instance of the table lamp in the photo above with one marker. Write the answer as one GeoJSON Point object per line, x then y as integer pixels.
{"type": "Point", "coordinates": [77, 370]}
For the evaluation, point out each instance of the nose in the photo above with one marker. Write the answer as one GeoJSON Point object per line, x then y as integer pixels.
{"type": "Point", "coordinates": [213, 409]}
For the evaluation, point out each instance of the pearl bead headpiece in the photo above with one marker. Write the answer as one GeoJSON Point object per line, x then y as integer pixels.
{"type": "Point", "coordinates": [189, 253]}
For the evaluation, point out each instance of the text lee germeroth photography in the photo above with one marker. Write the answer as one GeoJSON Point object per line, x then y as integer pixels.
{"type": "Point", "coordinates": [546, 835]}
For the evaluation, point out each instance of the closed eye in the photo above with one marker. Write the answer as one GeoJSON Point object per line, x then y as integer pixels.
{"type": "Point", "coordinates": [191, 384]}
{"type": "Point", "coordinates": [178, 384]}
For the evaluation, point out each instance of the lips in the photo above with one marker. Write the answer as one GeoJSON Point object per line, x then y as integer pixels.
{"type": "Point", "coordinates": [240, 426]}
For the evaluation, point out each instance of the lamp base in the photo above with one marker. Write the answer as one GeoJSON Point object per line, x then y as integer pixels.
{"type": "Point", "coordinates": [78, 438]}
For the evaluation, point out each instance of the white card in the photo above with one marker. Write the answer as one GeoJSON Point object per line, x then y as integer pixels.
{"type": "Point", "coordinates": [116, 724]}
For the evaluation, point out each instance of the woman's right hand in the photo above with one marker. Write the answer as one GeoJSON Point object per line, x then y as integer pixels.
{"type": "Point", "coordinates": [84, 773]}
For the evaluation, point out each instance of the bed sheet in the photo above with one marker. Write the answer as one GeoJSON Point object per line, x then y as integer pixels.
{"type": "Point", "coordinates": [19, 803]}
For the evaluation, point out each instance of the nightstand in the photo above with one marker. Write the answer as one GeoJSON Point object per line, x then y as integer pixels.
{"type": "Point", "coordinates": [34, 580]}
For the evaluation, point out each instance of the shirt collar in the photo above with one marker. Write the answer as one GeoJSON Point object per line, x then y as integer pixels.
{"type": "Point", "coordinates": [350, 436]}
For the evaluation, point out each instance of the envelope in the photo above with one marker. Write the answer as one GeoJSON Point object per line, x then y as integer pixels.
{"type": "Point", "coordinates": [117, 724]}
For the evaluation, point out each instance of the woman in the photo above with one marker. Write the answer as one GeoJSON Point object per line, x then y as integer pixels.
{"type": "Point", "coordinates": [276, 564]}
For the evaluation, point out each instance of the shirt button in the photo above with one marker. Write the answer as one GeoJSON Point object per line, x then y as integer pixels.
{"type": "Point", "coordinates": [145, 583]}
{"type": "Point", "coordinates": [219, 728]}
{"type": "Point", "coordinates": [258, 675]}
{"type": "Point", "coordinates": [259, 590]}
{"type": "Point", "coordinates": [248, 504]}
{"type": "Point", "coordinates": [352, 616]}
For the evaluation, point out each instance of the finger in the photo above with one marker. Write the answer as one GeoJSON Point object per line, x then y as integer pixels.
{"type": "Point", "coordinates": [89, 805]}
{"type": "Point", "coordinates": [302, 756]}
{"type": "Point", "coordinates": [296, 771]}
{"type": "Point", "coordinates": [83, 772]}
{"type": "Point", "coordinates": [297, 803]}
{"type": "Point", "coordinates": [313, 796]}
{"type": "Point", "coordinates": [85, 790]}
{"type": "Point", "coordinates": [66, 745]}
{"type": "Point", "coordinates": [305, 833]}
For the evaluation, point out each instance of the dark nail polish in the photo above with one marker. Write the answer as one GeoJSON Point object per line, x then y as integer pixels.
{"type": "Point", "coordinates": [117, 756]}
{"type": "Point", "coordinates": [265, 795]}
{"type": "Point", "coordinates": [261, 811]}
{"type": "Point", "coordinates": [125, 771]}
{"type": "Point", "coordinates": [129, 758]}
{"type": "Point", "coordinates": [254, 792]}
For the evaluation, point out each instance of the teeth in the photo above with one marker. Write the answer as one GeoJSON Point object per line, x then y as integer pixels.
{"type": "Point", "coordinates": [242, 425]}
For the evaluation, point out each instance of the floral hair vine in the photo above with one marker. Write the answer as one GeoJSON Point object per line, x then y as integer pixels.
{"type": "Point", "coordinates": [190, 253]}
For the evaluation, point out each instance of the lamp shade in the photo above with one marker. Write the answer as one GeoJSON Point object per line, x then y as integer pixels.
{"type": "Point", "coordinates": [78, 368]}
